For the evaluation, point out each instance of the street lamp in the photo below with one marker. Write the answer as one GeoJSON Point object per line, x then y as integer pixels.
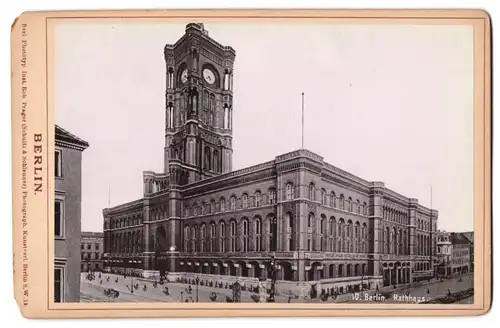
{"type": "Point", "coordinates": [131, 278]}
{"type": "Point", "coordinates": [272, 264]}
{"type": "Point", "coordinates": [197, 284]}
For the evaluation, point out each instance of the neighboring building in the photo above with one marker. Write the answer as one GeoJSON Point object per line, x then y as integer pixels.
{"type": "Point", "coordinates": [444, 254]}
{"type": "Point", "coordinates": [92, 249]}
{"type": "Point", "coordinates": [470, 238]}
{"type": "Point", "coordinates": [460, 257]}
{"type": "Point", "coordinates": [199, 217]}
{"type": "Point", "coordinates": [67, 215]}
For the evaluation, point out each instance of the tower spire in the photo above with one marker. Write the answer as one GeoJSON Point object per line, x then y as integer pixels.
{"type": "Point", "coordinates": [302, 120]}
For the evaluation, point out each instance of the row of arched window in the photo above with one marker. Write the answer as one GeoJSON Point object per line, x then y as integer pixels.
{"type": "Point", "coordinates": [395, 241]}
{"type": "Point", "coordinates": [243, 236]}
{"type": "Point", "coordinates": [124, 242]}
{"type": "Point", "coordinates": [246, 201]}
{"type": "Point", "coordinates": [396, 216]}
{"type": "Point", "coordinates": [423, 245]}
{"type": "Point", "coordinates": [423, 225]}
{"type": "Point", "coordinates": [332, 235]}
{"type": "Point", "coordinates": [213, 160]}
{"type": "Point", "coordinates": [424, 266]}
{"type": "Point", "coordinates": [123, 222]}
{"type": "Point", "coordinates": [329, 199]}
{"type": "Point", "coordinates": [208, 115]}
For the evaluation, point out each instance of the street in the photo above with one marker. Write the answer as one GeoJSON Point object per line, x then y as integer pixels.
{"type": "Point", "coordinates": [432, 290]}
{"type": "Point", "coordinates": [93, 291]}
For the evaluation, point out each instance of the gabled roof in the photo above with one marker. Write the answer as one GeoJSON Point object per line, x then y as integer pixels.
{"type": "Point", "coordinates": [459, 238]}
{"type": "Point", "coordinates": [66, 139]}
{"type": "Point", "coordinates": [469, 235]}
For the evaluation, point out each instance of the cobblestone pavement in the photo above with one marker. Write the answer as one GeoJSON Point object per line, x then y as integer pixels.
{"type": "Point", "coordinates": [93, 291]}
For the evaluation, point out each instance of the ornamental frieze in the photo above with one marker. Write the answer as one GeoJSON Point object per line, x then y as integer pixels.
{"type": "Point", "coordinates": [211, 56]}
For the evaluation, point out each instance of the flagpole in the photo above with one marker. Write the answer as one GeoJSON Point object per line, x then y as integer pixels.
{"type": "Point", "coordinates": [302, 120]}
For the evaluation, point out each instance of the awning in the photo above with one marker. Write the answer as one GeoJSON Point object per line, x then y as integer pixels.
{"type": "Point", "coordinates": [236, 265]}
{"type": "Point", "coordinates": [182, 263]}
{"type": "Point", "coordinates": [205, 264]}
{"type": "Point", "coordinates": [307, 268]}
{"type": "Point", "coordinates": [215, 264]}
{"type": "Point", "coordinates": [262, 266]}
{"type": "Point", "coordinates": [197, 263]}
{"type": "Point", "coordinates": [224, 265]}
{"type": "Point", "coordinates": [189, 263]}
{"type": "Point", "coordinates": [249, 266]}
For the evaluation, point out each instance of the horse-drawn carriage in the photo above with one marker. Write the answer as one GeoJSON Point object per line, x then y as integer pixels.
{"type": "Point", "coordinates": [111, 293]}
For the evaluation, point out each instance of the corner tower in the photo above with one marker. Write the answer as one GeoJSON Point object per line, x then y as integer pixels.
{"type": "Point", "coordinates": [198, 106]}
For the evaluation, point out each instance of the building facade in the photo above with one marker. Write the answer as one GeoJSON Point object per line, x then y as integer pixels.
{"type": "Point", "coordinates": [460, 254]}
{"type": "Point", "coordinates": [67, 215]}
{"type": "Point", "coordinates": [444, 254]}
{"type": "Point", "coordinates": [198, 217]}
{"type": "Point", "coordinates": [470, 238]}
{"type": "Point", "coordinates": [92, 248]}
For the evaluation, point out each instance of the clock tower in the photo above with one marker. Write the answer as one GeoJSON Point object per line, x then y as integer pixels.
{"type": "Point", "coordinates": [198, 107]}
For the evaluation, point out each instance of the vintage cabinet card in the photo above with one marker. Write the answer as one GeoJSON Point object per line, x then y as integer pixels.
{"type": "Point", "coordinates": [252, 163]}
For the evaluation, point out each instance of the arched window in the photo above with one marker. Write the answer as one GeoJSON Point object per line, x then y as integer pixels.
{"type": "Point", "coordinates": [290, 191]}
{"type": "Point", "coordinates": [233, 203]}
{"type": "Point", "coordinates": [312, 191]}
{"type": "Point", "coordinates": [323, 197]}
{"type": "Point", "coordinates": [226, 117]}
{"type": "Point", "coordinates": [208, 156]}
{"type": "Point", "coordinates": [203, 208]}
{"type": "Point", "coordinates": [394, 241]}
{"type": "Point", "coordinates": [202, 238]}
{"type": "Point", "coordinates": [244, 200]}
{"type": "Point", "coordinates": [233, 236]}
{"type": "Point", "coordinates": [222, 232]}
{"type": "Point", "coordinates": [170, 78]}
{"type": "Point", "coordinates": [258, 235]}
{"type": "Point", "coordinates": [333, 200]}
{"type": "Point", "coordinates": [341, 202]}
{"type": "Point", "coordinates": [358, 207]}
{"type": "Point", "coordinates": [170, 115]}
{"type": "Point", "coordinates": [332, 234]}
{"type": "Point", "coordinates": [272, 196]}
{"type": "Point", "coordinates": [290, 226]}
{"type": "Point", "coordinates": [213, 236]}
{"type": "Point", "coordinates": [322, 233]}
{"type": "Point", "coordinates": [222, 204]}
{"type": "Point", "coordinates": [195, 209]}
{"type": "Point", "coordinates": [215, 161]}
{"type": "Point", "coordinates": [212, 206]}
{"type": "Point", "coordinates": [206, 100]}
{"type": "Point", "coordinates": [226, 80]}
{"type": "Point", "coordinates": [245, 236]}
{"type": "Point", "coordinates": [310, 219]}
{"type": "Point", "coordinates": [257, 198]}
{"type": "Point", "coordinates": [194, 235]}
{"type": "Point", "coordinates": [211, 119]}
{"type": "Point", "coordinates": [387, 240]}
{"type": "Point", "coordinates": [349, 204]}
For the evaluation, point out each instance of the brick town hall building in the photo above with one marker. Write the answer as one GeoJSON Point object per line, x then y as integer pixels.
{"type": "Point", "coordinates": [201, 218]}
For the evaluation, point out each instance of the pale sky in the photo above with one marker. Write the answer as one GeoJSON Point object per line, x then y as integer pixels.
{"type": "Point", "coordinates": [391, 103]}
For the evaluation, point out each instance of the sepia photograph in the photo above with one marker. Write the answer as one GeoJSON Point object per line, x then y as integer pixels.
{"type": "Point", "coordinates": [220, 161]}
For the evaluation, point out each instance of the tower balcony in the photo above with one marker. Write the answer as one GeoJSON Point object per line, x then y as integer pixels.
{"type": "Point", "coordinates": [155, 182]}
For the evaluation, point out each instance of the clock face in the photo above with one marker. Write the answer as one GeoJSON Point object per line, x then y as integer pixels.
{"type": "Point", "coordinates": [184, 76]}
{"type": "Point", "coordinates": [209, 76]}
